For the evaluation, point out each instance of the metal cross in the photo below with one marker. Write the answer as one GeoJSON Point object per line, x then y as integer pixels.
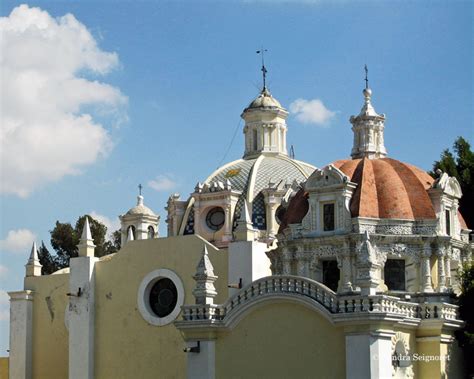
{"type": "Point", "coordinates": [140, 189]}
{"type": "Point", "coordinates": [264, 70]}
{"type": "Point", "coordinates": [366, 77]}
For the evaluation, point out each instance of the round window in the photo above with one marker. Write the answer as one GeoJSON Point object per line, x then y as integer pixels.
{"type": "Point", "coordinates": [215, 218]}
{"type": "Point", "coordinates": [163, 297]}
{"type": "Point", "coordinates": [160, 297]}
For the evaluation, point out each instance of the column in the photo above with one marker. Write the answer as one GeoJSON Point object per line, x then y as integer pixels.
{"type": "Point", "coordinates": [21, 334]}
{"type": "Point", "coordinates": [344, 264]}
{"type": "Point", "coordinates": [441, 271]}
{"type": "Point", "coordinates": [369, 355]}
{"type": "Point", "coordinates": [447, 270]}
{"type": "Point", "coordinates": [426, 271]}
{"type": "Point", "coordinates": [201, 364]}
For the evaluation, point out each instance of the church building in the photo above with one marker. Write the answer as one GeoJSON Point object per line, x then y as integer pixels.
{"type": "Point", "coordinates": [272, 268]}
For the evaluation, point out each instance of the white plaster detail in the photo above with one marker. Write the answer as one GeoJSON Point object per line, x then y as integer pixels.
{"type": "Point", "coordinates": [81, 317]}
{"type": "Point", "coordinates": [203, 364]}
{"type": "Point", "coordinates": [144, 294]}
{"type": "Point", "coordinates": [33, 266]}
{"type": "Point", "coordinates": [247, 261]}
{"type": "Point", "coordinates": [21, 334]}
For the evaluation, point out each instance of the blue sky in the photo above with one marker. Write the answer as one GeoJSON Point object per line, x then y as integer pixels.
{"type": "Point", "coordinates": [165, 83]}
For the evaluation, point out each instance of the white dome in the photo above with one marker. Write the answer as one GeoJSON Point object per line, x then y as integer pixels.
{"type": "Point", "coordinates": [251, 176]}
{"type": "Point", "coordinates": [140, 209]}
{"type": "Point", "coordinates": [265, 100]}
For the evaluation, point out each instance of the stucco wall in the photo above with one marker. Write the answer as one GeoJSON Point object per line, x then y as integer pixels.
{"type": "Point", "coordinates": [281, 340]}
{"type": "Point", "coordinates": [122, 335]}
{"type": "Point", "coordinates": [50, 336]}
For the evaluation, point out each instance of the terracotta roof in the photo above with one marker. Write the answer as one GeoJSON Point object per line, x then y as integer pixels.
{"type": "Point", "coordinates": [386, 188]}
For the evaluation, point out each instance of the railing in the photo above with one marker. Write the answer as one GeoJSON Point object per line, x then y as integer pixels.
{"type": "Point", "coordinates": [324, 296]}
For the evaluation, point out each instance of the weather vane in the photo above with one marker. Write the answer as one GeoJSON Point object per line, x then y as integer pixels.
{"type": "Point", "coordinates": [140, 189]}
{"type": "Point", "coordinates": [366, 77]}
{"type": "Point", "coordinates": [264, 70]}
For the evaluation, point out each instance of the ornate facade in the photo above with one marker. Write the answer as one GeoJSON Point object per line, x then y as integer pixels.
{"type": "Point", "coordinates": [271, 269]}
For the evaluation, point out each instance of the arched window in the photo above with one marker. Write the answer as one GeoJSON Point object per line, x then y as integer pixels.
{"type": "Point", "coordinates": [151, 232]}
{"type": "Point", "coordinates": [131, 227]}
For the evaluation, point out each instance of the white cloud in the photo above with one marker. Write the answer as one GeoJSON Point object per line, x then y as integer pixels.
{"type": "Point", "coordinates": [4, 306]}
{"type": "Point", "coordinates": [111, 224]}
{"type": "Point", "coordinates": [162, 183]}
{"type": "Point", "coordinates": [311, 112]}
{"type": "Point", "coordinates": [46, 132]}
{"type": "Point", "coordinates": [18, 241]}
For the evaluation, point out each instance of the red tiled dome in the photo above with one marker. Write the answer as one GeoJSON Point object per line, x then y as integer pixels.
{"type": "Point", "coordinates": [386, 188]}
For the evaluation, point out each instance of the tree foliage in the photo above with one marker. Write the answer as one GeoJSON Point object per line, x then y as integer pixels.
{"type": "Point", "coordinates": [466, 313]}
{"type": "Point", "coordinates": [461, 166]}
{"type": "Point", "coordinates": [65, 238]}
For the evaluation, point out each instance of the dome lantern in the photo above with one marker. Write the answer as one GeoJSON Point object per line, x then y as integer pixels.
{"type": "Point", "coordinates": [265, 126]}
{"type": "Point", "coordinates": [368, 127]}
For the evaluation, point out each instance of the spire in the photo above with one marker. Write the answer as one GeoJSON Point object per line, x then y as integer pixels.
{"type": "Point", "coordinates": [368, 127]}
{"type": "Point", "coordinates": [245, 230]}
{"type": "Point", "coordinates": [33, 266]}
{"type": "Point", "coordinates": [86, 245]}
{"type": "Point", "coordinates": [204, 292]}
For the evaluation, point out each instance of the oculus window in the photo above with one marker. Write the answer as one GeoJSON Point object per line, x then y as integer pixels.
{"type": "Point", "coordinates": [160, 297]}
{"type": "Point", "coordinates": [163, 297]}
{"type": "Point", "coordinates": [215, 218]}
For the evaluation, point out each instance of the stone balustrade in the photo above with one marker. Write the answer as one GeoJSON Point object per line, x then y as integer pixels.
{"type": "Point", "coordinates": [299, 286]}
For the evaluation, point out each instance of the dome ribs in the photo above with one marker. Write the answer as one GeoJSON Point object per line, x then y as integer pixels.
{"type": "Point", "coordinates": [391, 192]}
{"type": "Point", "coordinates": [415, 189]}
{"type": "Point", "coordinates": [368, 196]}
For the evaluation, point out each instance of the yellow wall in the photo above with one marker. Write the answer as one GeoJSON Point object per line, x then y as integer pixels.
{"type": "Point", "coordinates": [126, 345]}
{"type": "Point", "coordinates": [4, 367]}
{"type": "Point", "coordinates": [282, 340]}
{"type": "Point", "coordinates": [50, 336]}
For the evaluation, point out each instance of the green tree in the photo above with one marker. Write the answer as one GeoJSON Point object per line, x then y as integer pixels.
{"type": "Point", "coordinates": [466, 313]}
{"type": "Point", "coordinates": [461, 166]}
{"type": "Point", "coordinates": [65, 239]}
{"type": "Point", "coordinates": [47, 260]}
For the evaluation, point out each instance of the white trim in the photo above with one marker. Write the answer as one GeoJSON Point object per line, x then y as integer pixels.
{"type": "Point", "coordinates": [144, 292]}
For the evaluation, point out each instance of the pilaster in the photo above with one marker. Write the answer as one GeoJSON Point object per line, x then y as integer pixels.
{"type": "Point", "coordinates": [81, 317]}
{"type": "Point", "coordinates": [21, 335]}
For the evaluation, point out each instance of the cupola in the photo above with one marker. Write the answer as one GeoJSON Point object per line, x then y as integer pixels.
{"type": "Point", "coordinates": [140, 221]}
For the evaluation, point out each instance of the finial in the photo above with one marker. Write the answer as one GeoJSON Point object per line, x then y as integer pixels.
{"type": "Point", "coordinates": [86, 245]}
{"type": "Point", "coordinates": [204, 292]}
{"type": "Point", "coordinates": [33, 266]}
{"type": "Point", "coordinates": [263, 69]}
{"type": "Point", "coordinates": [86, 231]}
{"type": "Point", "coordinates": [140, 189]}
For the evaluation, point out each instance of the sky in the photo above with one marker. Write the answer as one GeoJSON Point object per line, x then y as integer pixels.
{"type": "Point", "coordinates": [100, 96]}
